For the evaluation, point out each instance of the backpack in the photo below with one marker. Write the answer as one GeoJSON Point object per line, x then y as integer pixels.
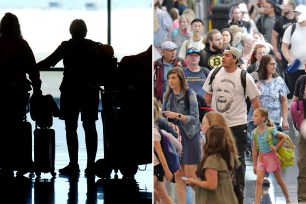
{"type": "Point", "coordinates": [242, 76]}
{"type": "Point", "coordinates": [285, 153]}
{"type": "Point", "coordinates": [243, 82]}
{"type": "Point", "coordinates": [170, 153]}
{"type": "Point", "coordinates": [202, 104]}
{"type": "Point", "coordinates": [42, 110]}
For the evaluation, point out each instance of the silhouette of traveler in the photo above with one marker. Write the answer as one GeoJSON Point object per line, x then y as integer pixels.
{"type": "Point", "coordinates": [77, 94]}
{"type": "Point", "coordinates": [17, 64]}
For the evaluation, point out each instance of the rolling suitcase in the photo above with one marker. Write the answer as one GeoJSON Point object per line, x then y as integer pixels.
{"type": "Point", "coordinates": [22, 160]}
{"type": "Point", "coordinates": [44, 151]}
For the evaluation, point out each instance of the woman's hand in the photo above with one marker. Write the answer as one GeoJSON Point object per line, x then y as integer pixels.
{"type": "Point", "coordinates": [191, 181]}
{"type": "Point", "coordinates": [170, 114]}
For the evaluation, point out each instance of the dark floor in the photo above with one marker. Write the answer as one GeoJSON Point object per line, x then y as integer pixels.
{"type": "Point", "coordinates": [60, 190]}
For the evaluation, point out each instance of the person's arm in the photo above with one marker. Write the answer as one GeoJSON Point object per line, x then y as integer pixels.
{"type": "Point", "coordinates": [282, 139]}
{"type": "Point", "coordinates": [162, 160]}
{"type": "Point", "coordinates": [211, 182]}
{"type": "Point", "coordinates": [284, 106]}
{"type": "Point", "coordinates": [286, 52]}
{"type": "Point", "coordinates": [254, 156]}
{"type": "Point", "coordinates": [208, 98]}
{"type": "Point", "coordinates": [274, 42]}
{"type": "Point", "coordinates": [255, 103]}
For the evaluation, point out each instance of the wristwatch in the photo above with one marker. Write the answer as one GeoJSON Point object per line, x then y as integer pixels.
{"type": "Point", "coordinates": [179, 116]}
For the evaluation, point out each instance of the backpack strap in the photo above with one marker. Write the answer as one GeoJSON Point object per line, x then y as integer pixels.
{"type": "Point", "coordinates": [242, 76]}
{"type": "Point", "coordinates": [254, 134]}
{"type": "Point", "coordinates": [186, 98]}
{"type": "Point", "coordinates": [269, 137]}
{"type": "Point", "coordinates": [291, 33]}
{"type": "Point", "coordinates": [243, 79]}
{"type": "Point", "coordinates": [212, 77]}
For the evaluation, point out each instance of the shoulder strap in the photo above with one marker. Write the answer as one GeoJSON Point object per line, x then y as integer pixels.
{"type": "Point", "coordinates": [187, 44]}
{"type": "Point", "coordinates": [243, 79]}
{"type": "Point", "coordinates": [204, 71]}
{"type": "Point", "coordinates": [292, 31]}
{"type": "Point", "coordinates": [156, 64]}
{"type": "Point", "coordinates": [269, 137]}
{"type": "Point", "coordinates": [186, 97]}
{"type": "Point", "coordinates": [293, 28]}
{"type": "Point", "coordinates": [254, 133]}
{"type": "Point", "coordinates": [212, 77]}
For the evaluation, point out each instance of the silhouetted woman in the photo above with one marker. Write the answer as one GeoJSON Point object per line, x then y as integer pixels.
{"type": "Point", "coordinates": [16, 62]}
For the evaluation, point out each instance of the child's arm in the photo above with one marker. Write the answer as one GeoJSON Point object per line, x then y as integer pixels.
{"type": "Point", "coordinates": [254, 155]}
{"type": "Point", "coordinates": [282, 138]}
{"type": "Point", "coordinates": [211, 182]}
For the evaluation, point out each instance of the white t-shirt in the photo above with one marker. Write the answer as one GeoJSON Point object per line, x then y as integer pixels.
{"type": "Point", "coordinates": [298, 48]}
{"type": "Point", "coordinates": [189, 43]}
{"type": "Point", "coordinates": [228, 95]}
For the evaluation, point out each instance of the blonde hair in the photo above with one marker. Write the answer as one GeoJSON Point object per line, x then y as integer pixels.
{"type": "Point", "coordinates": [265, 113]}
{"type": "Point", "coordinates": [214, 119]}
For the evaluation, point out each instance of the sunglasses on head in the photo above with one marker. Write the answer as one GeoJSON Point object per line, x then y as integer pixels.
{"type": "Point", "coordinates": [193, 50]}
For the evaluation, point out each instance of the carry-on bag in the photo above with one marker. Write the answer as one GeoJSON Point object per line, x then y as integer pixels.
{"type": "Point", "coordinates": [44, 151]}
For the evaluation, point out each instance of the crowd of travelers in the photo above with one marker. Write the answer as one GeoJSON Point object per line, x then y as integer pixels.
{"type": "Point", "coordinates": [242, 73]}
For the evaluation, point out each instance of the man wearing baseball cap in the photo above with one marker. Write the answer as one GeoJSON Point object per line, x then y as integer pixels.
{"type": "Point", "coordinates": [195, 74]}
{"type": "Point", "coordinates": [163, 65]}
{"type": "Point", "coordinates": [226, 96]}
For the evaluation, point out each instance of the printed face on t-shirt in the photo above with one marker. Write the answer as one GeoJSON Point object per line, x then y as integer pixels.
{"type": "Point", "coordinates": [225, 95]}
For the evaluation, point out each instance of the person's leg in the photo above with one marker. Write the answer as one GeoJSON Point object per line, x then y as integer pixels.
{"type": "Point", "coordinates": [190, 172]}
{"type": "Point", "coordinates": [259, 181]}
{"type": "Point", "coordinates": [91, 139]}
{"type": "Point", "coordinates": [180, 187]}
{"type": "Point", "coordinates": [301, 179]}
{"type": "Point", "coordinates": [240, 135]}
{"type": "Point", "coordinates": [73, 147]}
{"type": "Point", "coordinates": [282, 184]}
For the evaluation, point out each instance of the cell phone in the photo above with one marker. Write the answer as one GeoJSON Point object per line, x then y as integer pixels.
{"type": "Point", "coordinates": [184, 178]}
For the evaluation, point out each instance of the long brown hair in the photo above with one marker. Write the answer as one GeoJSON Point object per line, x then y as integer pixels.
{"type": "Point", "coordinates": [183, 83]}
{"type": "Point", "coordinates": [262, 69]}
{"type": "Point", "coordinates": [216, 144]}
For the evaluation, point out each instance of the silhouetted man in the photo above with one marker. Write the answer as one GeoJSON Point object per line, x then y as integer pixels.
{"type": "Point", "coordinates": [77, 94]}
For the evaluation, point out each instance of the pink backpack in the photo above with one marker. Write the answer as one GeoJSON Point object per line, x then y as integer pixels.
{"type": "Point", "coordinates": [297, 113]}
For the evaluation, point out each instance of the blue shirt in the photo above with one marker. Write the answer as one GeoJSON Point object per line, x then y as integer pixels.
{"type": "Point", "coordinates": [262, 140]}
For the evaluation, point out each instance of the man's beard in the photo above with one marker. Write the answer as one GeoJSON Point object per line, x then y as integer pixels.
{"type": "Point", "coordinates": [218, 47]}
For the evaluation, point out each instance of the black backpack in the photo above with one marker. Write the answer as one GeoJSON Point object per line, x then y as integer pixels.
{"type": "Point", "coordinates": [202, 104]}
{"type": "Point", "coordinates": [243, 82]}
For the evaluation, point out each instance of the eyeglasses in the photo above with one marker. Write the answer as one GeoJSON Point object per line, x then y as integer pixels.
{"type": "Point", "coordinates": [273, 63]}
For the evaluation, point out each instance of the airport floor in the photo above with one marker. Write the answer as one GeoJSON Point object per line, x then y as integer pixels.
{"type": "Point", "coordinates": [61, 189]}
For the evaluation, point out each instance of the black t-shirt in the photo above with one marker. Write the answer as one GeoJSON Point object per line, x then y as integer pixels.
{"type": "Point", "coordinates": [280, 26]}
{"type": "Point", "coordinates": [299, 90]}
